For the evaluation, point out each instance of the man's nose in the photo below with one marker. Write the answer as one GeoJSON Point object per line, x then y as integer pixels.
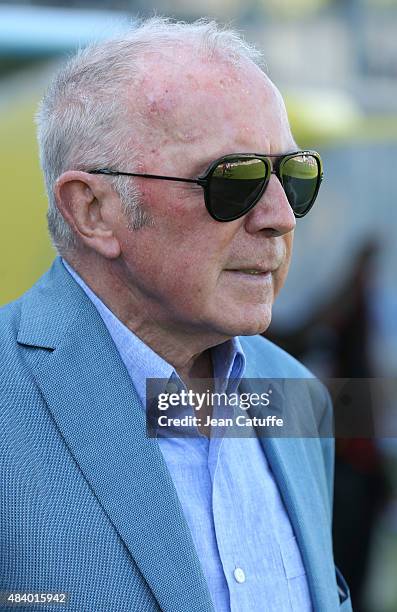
{"type": "Point", "coordinates": [273, 214]}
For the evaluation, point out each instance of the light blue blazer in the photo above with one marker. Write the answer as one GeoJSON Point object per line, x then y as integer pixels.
{"type": "Point", "coordinates": [87, 504]}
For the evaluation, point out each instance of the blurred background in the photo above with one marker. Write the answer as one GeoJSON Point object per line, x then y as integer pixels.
{"type": "Point", "coordinates": [335, 62]}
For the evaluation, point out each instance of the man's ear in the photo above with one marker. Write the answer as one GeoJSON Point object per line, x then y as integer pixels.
{"type": "Point", "coordinates": [90, 207]}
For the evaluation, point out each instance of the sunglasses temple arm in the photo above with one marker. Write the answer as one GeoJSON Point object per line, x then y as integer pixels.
{"type": "Point", "coordinates": [198, 181]}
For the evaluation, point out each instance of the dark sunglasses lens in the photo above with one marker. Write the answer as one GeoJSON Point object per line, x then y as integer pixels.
{"type": "Point", "coordinates": [300, 176]}
{"type": "Point", "coordinates": [235, 185]}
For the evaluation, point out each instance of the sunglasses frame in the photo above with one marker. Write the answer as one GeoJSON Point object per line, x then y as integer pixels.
{"type": "Point", "coordinates": [204, 179]}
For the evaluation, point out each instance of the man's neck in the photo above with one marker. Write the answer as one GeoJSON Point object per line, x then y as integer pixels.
{"type": "Point", "coordinates": [188, 351]}
{"type": "Point", "coordinates": [200, 367]}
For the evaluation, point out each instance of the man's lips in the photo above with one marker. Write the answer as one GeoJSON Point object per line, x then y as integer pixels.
{"type": "Point", "coordinates": [251, 276]}
{"type": "Point", "coordinates": [252, 270]}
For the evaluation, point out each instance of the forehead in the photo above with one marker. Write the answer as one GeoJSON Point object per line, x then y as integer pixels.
{"type": "Point", "coordinates": [212, 107]}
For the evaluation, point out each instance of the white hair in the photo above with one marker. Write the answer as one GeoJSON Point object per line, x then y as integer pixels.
{"type": "Point", "coordinates": [83, 118]}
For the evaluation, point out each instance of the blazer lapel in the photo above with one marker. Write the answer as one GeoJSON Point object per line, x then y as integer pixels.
{"type": "Point", "coordinates": [297, 466]}
{"type": "Point", "coordinates": [96, 408]}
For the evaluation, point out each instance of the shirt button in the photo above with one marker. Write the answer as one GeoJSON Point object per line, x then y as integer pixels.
{"type": "Point", "coordinates": [239, 575]}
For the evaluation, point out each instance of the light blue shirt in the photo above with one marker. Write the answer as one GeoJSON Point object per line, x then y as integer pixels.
{"type": "Point", "coordinates": [240, 528]}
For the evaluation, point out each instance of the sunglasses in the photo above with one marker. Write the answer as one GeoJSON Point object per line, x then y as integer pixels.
{"type": "Point", "coordinates": [234, 183]}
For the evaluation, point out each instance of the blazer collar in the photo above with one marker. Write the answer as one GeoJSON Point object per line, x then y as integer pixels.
{"type": "Point", "coordinates": [97, 411]}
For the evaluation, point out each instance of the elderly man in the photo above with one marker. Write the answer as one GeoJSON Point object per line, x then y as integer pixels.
{"type": "Point", "coordinates": [174, 183]}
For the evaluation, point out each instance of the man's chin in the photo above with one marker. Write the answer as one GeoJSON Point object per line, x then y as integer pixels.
{"type": "Point", "coordinates": [254, 330]}
{"type": "Point", "coordinates": [250, 326]}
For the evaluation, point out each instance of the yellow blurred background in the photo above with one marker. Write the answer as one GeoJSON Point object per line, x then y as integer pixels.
{"type": "Point", "coordinates": [25, 250]}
